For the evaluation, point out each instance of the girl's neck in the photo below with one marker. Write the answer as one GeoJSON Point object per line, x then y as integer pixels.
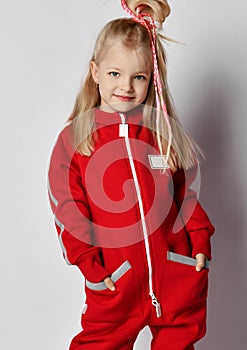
{"type": "Point", "coordinates": [114, 110]}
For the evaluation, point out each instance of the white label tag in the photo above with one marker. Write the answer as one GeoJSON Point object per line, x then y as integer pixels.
{"type": "Point", "coordinates": [158, 162]}
{"type": "Point", "coordinates": [123, 130]}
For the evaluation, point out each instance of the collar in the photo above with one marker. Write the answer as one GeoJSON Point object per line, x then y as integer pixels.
{"type": "Point", "coordinates": [134, 116]}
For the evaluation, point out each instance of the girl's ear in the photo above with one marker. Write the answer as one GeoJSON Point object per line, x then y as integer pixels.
{"type": "Point", "coordinates": [94, 71]}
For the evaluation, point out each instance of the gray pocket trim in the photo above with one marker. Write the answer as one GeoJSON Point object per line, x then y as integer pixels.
{"type": "Point", "coordinates": [115, 276]}
{"type": "Point", "coordinates": [182, 259]}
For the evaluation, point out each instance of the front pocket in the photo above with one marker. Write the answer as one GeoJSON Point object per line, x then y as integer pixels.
{"type": "Point", "coordinates": [183, 259]}
{"type": "Point", "coordinates": [115, 277]}
{"type": "Point", "coordinates": [183, 286]}
{"type": "Point", "coordinates": [104, 305]}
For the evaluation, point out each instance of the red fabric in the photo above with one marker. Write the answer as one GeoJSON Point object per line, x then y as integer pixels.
{"type": "Point", "coordinates": [174, 332]}
{"type": "Point", "coordinates": [196, 221]}
{"type": "Point", "coordinates": [95, 229]}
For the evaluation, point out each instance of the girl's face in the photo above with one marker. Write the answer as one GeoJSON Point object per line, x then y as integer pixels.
{"type": "Point", "coordinates": [123, 76]}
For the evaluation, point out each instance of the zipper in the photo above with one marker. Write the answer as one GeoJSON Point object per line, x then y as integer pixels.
{"type": "Point", "coordinates": [123, 132]}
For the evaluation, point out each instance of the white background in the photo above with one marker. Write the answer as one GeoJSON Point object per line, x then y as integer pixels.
{"type": "Point", "coordinates": [45, 49]}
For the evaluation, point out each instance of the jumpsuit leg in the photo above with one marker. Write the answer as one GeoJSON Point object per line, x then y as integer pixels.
{"type": "Point", "coordinates": [107, 336]}
{"type": "Point", "coordinates": [180, 332]}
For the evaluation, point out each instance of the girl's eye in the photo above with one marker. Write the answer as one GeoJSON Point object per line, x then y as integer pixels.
{"type": "Point", "coordinates": [114, 74]}
{"type": "Point", "coordinates": [140, 77]}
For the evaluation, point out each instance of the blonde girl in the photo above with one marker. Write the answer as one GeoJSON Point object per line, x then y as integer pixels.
{"type": "Point", "coordinates": [119, 187]}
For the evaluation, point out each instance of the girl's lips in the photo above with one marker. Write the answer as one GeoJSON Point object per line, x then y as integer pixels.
{"type": "Point", "coordinates": [124, 98]}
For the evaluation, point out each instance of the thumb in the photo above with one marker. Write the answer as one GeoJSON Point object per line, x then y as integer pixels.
{"type": "Point", "coordinates": [201, 258]}
{"type": "Point", "coordinates": [109, 283]}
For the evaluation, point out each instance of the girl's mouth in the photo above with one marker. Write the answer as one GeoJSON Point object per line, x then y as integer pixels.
{"type": "Point", "coordinates": [124, 98]}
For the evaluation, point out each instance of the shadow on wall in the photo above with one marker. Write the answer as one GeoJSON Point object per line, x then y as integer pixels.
{"type": "Point", "coordinates": [222, 197]}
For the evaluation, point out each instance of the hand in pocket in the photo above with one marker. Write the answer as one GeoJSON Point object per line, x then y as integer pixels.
{"type": "Point", "coordinates": [109, 283]}
{"type": "Point", "coordinates": [201, 260]}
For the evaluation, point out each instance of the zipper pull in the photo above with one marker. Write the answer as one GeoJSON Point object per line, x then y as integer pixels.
{"type": "Point", "coordinates": [157, 305]}
{"type": "Point", "coordinates": [123, 130]}
{"type": "Point", "coordinates": [123, 127]}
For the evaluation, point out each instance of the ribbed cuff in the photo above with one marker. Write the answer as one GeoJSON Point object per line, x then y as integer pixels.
{"type": "Point", "coordinates": [92, 269]}
{"type": "Point", "coordinates": [200, 243]}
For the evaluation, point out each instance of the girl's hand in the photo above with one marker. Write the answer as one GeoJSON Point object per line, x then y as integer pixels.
{"type": "Point", "coordinates": [109, 283]}
{"type": "Point", "coordinates": [201, 258]}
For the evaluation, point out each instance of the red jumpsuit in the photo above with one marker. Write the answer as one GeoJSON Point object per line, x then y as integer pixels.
{"type": "Point", "coordinates": [117, 214]}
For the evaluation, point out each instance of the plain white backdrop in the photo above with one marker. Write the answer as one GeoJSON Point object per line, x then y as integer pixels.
{"type": "Point", "coordinates": [45, 49]}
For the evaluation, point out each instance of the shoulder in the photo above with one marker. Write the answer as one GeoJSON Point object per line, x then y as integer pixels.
{"type": "Point", "coordinates": [64, 145]}
{"type": "Point", "coordinates": [186, 177]}
{"type": "Point", "coordinates": [65, 137]}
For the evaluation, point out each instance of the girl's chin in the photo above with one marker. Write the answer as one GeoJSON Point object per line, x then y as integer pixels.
{"type": "Point", "coordinates": [119, 107]}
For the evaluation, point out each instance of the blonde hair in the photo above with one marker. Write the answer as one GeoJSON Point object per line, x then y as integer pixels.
{"type": "Point", "coordinates": [184, 150]}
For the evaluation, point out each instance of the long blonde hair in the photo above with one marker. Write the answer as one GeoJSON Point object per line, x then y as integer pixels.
{"type": "Point", "coordinates": [133, 35]}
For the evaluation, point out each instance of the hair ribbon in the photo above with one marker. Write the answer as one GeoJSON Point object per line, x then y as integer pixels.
{"type": "Point", "coordinates": [148, 22]}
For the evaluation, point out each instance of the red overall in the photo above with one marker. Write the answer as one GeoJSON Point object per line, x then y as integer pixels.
{"type": "Point", "coordinates": [117, 214]}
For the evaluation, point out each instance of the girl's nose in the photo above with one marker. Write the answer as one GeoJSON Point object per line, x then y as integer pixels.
{"type": "Point", "coordinates": [126, 85]}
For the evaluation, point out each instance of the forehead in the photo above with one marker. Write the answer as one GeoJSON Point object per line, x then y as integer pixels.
{"type": "Point", "coordinates": [118, 55]}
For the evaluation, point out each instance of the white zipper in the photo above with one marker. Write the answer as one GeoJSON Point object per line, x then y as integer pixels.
{"type": "Point", "coordinates": [123, 132]}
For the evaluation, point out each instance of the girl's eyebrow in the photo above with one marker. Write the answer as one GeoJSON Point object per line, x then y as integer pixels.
{"type": "Point", "coordinates": [118, 69]}
{"type": "Point", "coordinates": [113, 68]}
{"type": "Point", "coordinates": [142, 72]}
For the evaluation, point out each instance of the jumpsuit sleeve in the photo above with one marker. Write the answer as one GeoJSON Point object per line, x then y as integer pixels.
{"type": "Point", "coordinates": [71, 211]}
{"type": "Point", "coordinates": [196, 221]}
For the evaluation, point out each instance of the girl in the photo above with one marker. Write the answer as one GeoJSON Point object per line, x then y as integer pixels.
{"type": "Point", "coordinates": [119, 187]}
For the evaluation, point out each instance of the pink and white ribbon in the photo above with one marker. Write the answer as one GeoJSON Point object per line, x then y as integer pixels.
{"type": "Point", "coordinates": [147, 21]}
